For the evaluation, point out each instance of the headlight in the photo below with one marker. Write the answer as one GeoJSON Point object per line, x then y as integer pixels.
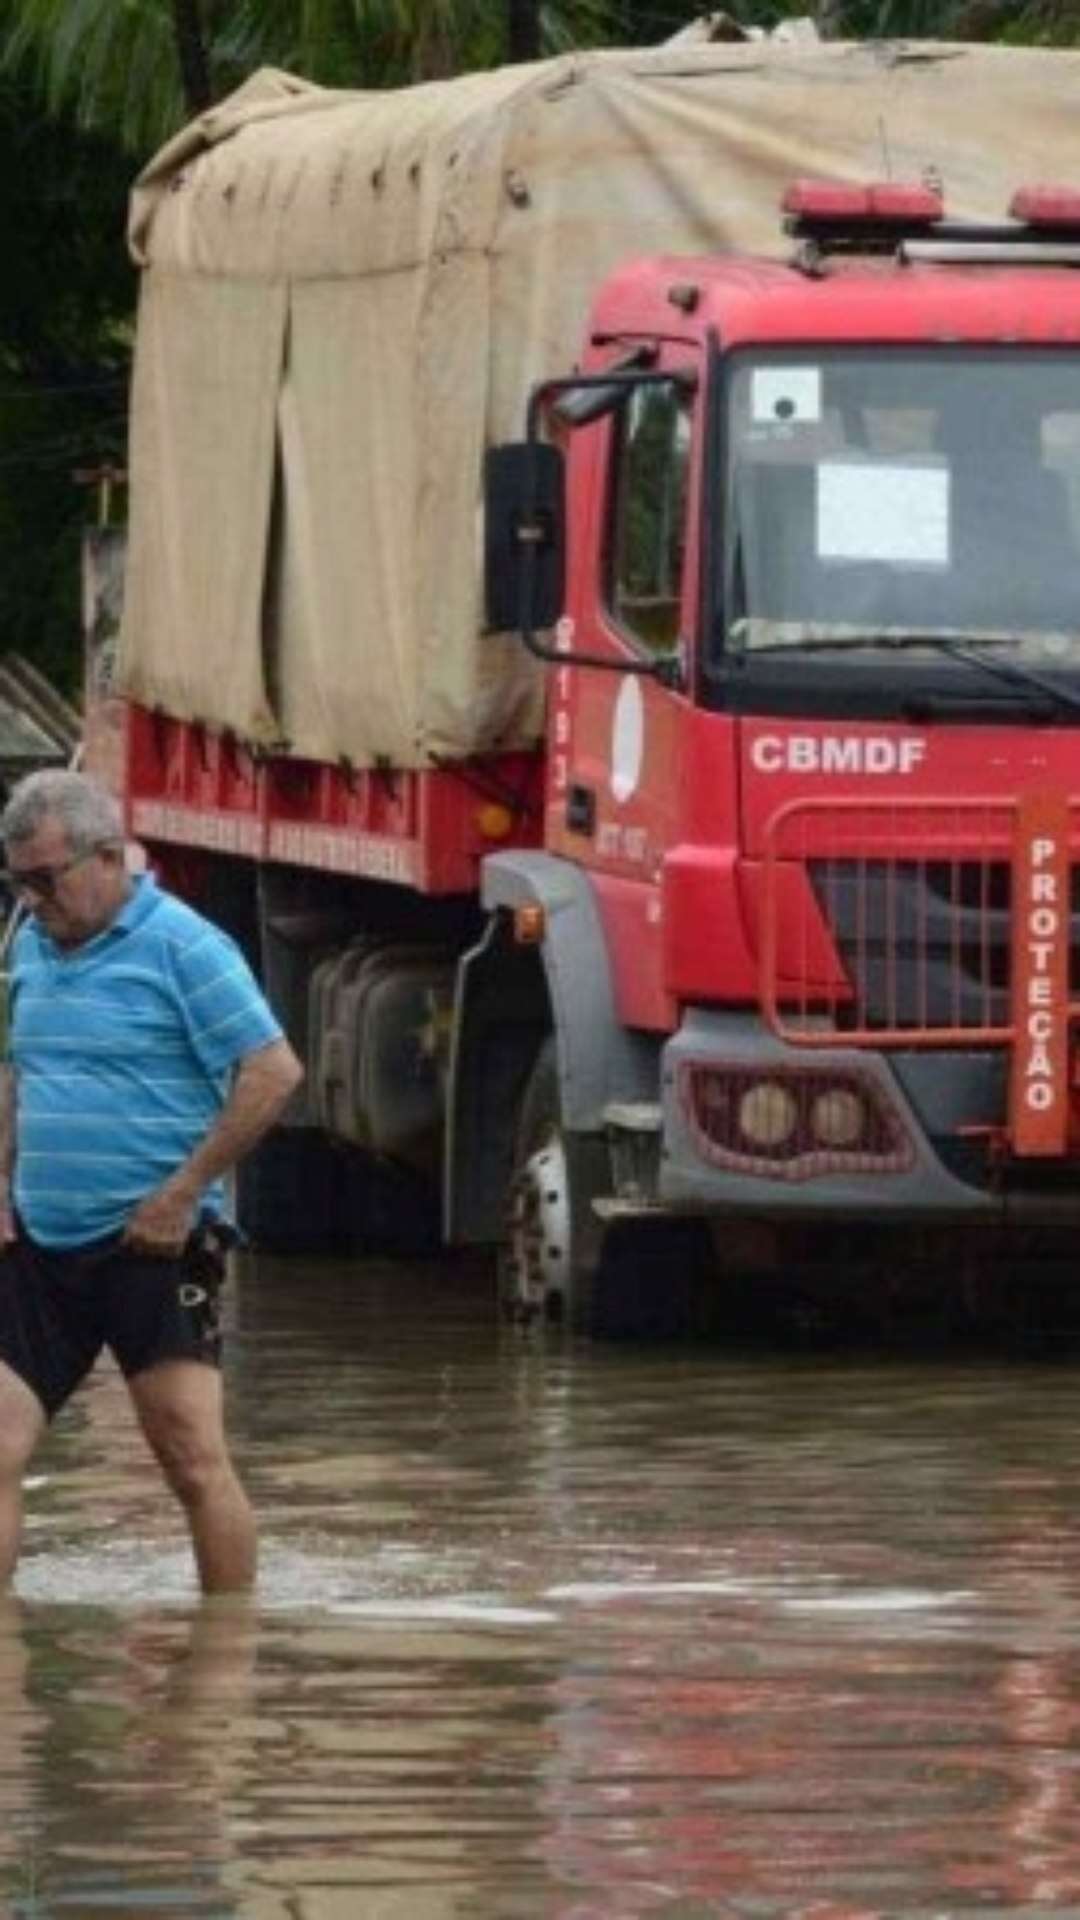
{"type": "Point", "coordinates": [768, 1114]}
{"type": "Point", "coordinates": [792, 1122]}
{"type": "Point", "coordinates": [838, 1118]}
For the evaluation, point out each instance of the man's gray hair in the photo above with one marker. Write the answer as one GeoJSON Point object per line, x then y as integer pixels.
{"type": "Point", "coordinates": [84, 808]}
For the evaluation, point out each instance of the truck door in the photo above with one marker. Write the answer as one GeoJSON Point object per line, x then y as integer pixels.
{"type": "Point", "coordinates": [614, 788]}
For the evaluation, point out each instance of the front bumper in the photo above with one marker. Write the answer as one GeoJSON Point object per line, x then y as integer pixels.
{"type": "Point", "coordinates": [937, 1102]}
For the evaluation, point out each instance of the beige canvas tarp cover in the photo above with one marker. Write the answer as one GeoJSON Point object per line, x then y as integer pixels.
{"type": "Point", "coordinates": [346, 296]}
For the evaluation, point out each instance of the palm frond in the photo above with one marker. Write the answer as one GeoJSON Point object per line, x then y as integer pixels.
{"type": "Point", "coordinates": [116, 66]}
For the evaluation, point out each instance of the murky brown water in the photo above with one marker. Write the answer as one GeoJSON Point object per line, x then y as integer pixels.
{"type": "Point", "coordinates": [558, 1631]}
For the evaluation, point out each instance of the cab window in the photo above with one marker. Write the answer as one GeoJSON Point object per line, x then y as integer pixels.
{"type": "Point", "coordinates": [647, 518]}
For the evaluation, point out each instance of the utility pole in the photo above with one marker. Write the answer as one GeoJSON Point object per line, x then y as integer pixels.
{"type": "Point", "coordinates": [522, 30]}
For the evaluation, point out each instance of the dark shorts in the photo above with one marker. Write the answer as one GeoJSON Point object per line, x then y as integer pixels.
{"type": "Point", "coordinates": [59, 1309]}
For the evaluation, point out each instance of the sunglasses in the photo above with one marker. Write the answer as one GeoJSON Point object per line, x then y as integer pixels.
{"type": "Point", "coordinates": [43, 881]}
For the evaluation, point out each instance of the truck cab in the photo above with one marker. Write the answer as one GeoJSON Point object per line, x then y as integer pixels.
{"type": "Point", "coordinates": [813, 718]}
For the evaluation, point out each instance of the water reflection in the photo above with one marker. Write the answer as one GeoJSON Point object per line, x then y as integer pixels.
{"type": "Point", "coordinates": [119, 1743]}
{"type": "Point", "coordinates": [555, 1631]}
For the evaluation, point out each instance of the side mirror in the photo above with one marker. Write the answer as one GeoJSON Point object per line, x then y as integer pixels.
{"type": "Point", "coordinates": [524, 536]}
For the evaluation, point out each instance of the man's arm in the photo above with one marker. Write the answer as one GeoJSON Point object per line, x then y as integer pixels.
{"type": "Point", "coordinates": [262, 1084]}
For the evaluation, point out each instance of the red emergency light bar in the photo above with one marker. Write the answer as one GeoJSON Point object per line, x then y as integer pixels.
{"type": "Point", "coordinates": [821, 203]}
{"type": "Point", "coordinates": [1045, 206]}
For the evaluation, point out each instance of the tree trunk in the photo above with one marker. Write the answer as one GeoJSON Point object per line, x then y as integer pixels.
{"type": "Point", "coordinates": [433, 52]}
{"type": "Point", "coordinates": [192, 55]}
{"type": "Point", "coordinates": [522, 30]}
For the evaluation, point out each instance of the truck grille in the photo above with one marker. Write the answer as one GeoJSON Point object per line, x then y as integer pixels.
{"type": "Point", "coordinates": [863, 933]}
{"type": "Point", "coordinates": [925, 943]}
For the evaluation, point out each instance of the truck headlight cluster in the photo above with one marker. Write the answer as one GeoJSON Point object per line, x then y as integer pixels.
{"type": "Point", "coordinates": [792, 1122]}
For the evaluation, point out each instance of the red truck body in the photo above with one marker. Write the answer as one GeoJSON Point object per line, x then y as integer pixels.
{"type": "Point", "coordinates": [188, 786]}
{"type": "Point", "coordinates": [775, 928]}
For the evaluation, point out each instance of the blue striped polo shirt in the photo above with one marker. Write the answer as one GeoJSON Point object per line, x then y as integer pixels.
{"type": "Point", "coordinates": [123, 1050]}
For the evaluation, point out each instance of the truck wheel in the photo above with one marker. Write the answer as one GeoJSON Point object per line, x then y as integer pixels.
{"type": "Point", "coordinates": [652, 1282]}
{"type": "Point", "coordinates": [639, 1279]}
{"type": "Point", "coordinates": [552, 1239]}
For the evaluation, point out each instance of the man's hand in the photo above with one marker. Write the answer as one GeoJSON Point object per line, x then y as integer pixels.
{"type": "Point", "coordinates": [261, 1085]}
{"type": "Point", "coordinates": [163, 1221]}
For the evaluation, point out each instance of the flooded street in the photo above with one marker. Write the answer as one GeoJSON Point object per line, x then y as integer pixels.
{"type": "Point", "coordinates": [552, 1629]}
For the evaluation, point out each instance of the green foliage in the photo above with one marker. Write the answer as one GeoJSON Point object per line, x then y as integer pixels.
{"type": "Point", "coordinates": [108, 66]}
{"type": "Point", "coordinates": [88, 89]}
{"type": "Point", "coordinates": [115, 67]}
{"type": "Point", "coordinates": [64, 343]}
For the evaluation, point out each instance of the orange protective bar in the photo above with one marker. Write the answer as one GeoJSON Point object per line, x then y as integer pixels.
{"type": "Point", "coordinates": [1039, 1080]}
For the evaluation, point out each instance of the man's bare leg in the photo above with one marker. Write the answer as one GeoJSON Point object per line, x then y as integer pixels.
{"type": "Point", "coordinates": [180, 1407]}
{"type": "Point", "coordinates": [22, 1423]}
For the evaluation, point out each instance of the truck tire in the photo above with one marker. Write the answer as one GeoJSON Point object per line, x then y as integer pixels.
{"type": "Point", "coordinates": [653, 1281]}
{"type": "Point", "coordinates": [559, 1262]}
{"type": "Point", "coordinates": [552, 1240]}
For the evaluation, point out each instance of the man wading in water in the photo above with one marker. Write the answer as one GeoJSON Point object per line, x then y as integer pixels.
{"type": "Point", "coordinates": [143, 1064]}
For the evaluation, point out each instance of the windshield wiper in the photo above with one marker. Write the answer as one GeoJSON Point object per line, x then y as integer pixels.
{"type": "Point", "coordinates": [1004, 704]}
{"type": "Point", "coordinates": [970, 651]}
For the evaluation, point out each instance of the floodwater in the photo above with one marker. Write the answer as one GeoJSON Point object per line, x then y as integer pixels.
{"type": "Point", "coordinates": [555, 1629]}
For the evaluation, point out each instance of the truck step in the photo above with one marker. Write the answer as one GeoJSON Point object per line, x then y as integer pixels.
{"type": "Point", "coordinates": [633, 1116]}
{"type": "Point", "coordinates": [611, 1209]}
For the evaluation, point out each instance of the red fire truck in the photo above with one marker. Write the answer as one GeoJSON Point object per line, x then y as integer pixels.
{"type": "Point", "coordinates": [773, 932]}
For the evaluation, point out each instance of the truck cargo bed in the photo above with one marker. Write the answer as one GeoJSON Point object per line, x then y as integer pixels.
{"type": "Point", "coordinates": [189, 786]}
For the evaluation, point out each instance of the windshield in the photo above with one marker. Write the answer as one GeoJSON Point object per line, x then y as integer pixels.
{"type": "Point", "coordinates": [903, 493]}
